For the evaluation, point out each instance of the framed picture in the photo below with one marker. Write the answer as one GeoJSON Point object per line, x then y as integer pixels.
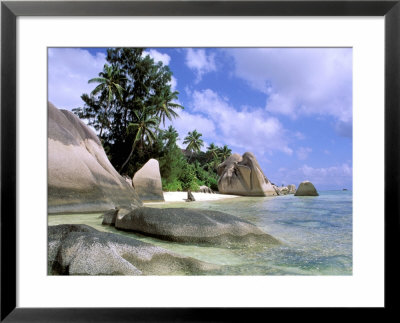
{"type": "Point", "coordinates": [238, 43]}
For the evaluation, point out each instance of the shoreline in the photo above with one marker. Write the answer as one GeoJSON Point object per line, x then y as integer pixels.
{"type": "Point", "coordinates": [199, 197]}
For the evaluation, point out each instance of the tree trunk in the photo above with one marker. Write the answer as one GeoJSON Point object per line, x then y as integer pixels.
{"type": "Point", "coordinates": [129, 157]}
{"type": "Point", "coordinates": [105, 115]}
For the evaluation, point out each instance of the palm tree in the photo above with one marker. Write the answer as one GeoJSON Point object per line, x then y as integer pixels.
{"type": "Point", "coordinates": [165, 105]}
{"type": "Point", "coordinates": [214, 163]}
{"type": "Point", "coordinates": [193, 141]}
{"type": "Point", "coordinates": [144, 128]}
{"type": "Point", "coordinates": [224, 152]}
{"type": "Point", "coordinates": [212, 151]}
{"type": "Point", "coordinates": [109, 83]}
{"type": "Point", "coordinates": [171, 135]}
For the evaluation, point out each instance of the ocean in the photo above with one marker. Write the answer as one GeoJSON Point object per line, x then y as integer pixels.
{"type": "Point", "coordinates": [316, 234]}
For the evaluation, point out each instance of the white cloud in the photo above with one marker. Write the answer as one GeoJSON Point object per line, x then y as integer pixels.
{"type": "Point", "coordinates": [174, 83]}
{"type": "Point", "coordinates": [250, 131]}
{"type": "Point", "coordinates": [200, 62]}
{"type": "Point", "coordinates": [300, 81]}
{"type": "Point", "coordinates": [299, 135]}
{"type": "Point", "coordinates": [165, 59]}
{"type": "Point", "coordinates": [339, 176]}
{"type": "Point", "coordinates": [157, 56]}
{"type": "Point", "coordinates": [188, 122]}
{"type": "Point", "coordinates": [69, 70]}
{"type": "Point", "coordinates": [188, 91]}
{"type": "Point", "coordinates": [303, 152]}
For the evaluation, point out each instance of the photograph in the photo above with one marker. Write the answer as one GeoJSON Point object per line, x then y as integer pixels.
{"type": "Point", "coordinates": [216, 161]}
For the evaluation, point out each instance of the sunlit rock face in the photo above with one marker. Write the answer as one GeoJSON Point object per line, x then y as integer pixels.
{"type": "Point", "coordinates": [242, 175]}
{"type": "Point", "coordinates": [80, 176]}
{"type": "Point", "coordinates": [306, 188]}
{"type": "Point", "coordinates": [147, 182]}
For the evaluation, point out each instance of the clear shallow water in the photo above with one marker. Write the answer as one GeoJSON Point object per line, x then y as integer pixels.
{"type": "Point", "coordinates": [316, 234]}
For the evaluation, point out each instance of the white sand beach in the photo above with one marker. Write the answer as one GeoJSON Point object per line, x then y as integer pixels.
{"type": "Point", "coordinates": [182, 196]}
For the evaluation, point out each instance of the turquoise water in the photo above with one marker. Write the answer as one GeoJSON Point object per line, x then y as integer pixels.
{"type": "Point", "coordinates": [316, 234]}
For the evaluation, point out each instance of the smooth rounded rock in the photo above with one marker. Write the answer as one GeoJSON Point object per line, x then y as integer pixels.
{"type": "Point", "coordinates": [82, 250]}
{"type": "Point", "coordinates": [283, 190]}
{"type": "Point", "coordinates": [147, 182]}
{"type": "Point", "coordinates": [80, 176]}
{"type": "Point", "coordinates": [192, 226]}
{"type": "Point", "coordinates": [306, 188]}
{"type": "Point", "coordinates": [110, 216]}
{"type": "Point", "coordinates": [242, 175]}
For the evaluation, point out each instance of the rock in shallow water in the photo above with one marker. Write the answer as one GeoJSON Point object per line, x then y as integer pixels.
{"type": "Point", "coordinates": [110, 216]}
{"type": "Point", "coordinates": [292, 188]}
{"type": "Point", "coordinates": [242, 175]}
{"type": "Point", "coordinates": [192, 225]}
{"type": "Point", "coordinates": [306, 188]}
{"type": "Point", "coordinates": [82, 250]}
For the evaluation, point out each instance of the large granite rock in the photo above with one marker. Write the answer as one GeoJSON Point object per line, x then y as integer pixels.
{"type": "Point", "coordinates": [276, 188]}
{"type": "Point", "coordinates": [147, 182]}
{"type": "Point", "coordinates": [192, 226]}
{"type": "Point", "coordinates": [82, 250]}
{"type": "Point", "coordinates": [292, 188]}
{"type": "Point", "coordinates": [306, 188]}
{"type": "Point", "coordinates": [283, 190]}
{"type": "Point", "coordinates": [110, 216]}
{"type": "Point", "coordinates": [205, 189]}
{"type": "Point", "coordinates": [80, 176]}
{"type": "Point", "coordinates": [242, 175]}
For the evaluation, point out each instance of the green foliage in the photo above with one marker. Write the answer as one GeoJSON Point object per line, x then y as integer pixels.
{"type": "Point", "coordinates": [193, 186]}
{"type": "Point", "coordinates": [224, 152]}
{"type": "Point", "coordinates": [131, 101]}
{"type": "Point", "coordinates": [179, 172]}
{"type": "Point", "coordinates": [173, 186]}
{"type": "Point", "coordinates": [193, 141]}
{"type": "Point", "coordinates": [213, 183]}
{"type": "Point", "coordinates": [130, 90]}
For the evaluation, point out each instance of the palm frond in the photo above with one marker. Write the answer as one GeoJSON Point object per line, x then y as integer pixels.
{"type": "Point", "coordinates": [97, 89]}
{"type": "Point", "coordinates": [98, 80]}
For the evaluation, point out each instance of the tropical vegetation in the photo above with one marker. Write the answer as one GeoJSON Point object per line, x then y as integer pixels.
{"type": "Point", "coordinates": [130, 106]}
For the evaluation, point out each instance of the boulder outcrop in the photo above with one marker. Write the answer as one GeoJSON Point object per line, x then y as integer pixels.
{"type": "Point", "coordinates": [292, 188]}
{"type": "Point", "coordinates": [205, 189]}
{"type": "Point", "coordinates": [82, 250]}
{"type": "Point", "coordinates": [192, 226]}
{"type": "Point", "coordinates": [190, 197]}
{"type": "Point", "coordinates": [242, 175]}
{"type": "Point", "coordinates": [283, 190]}
{"type": "Point", "coordinates": [147, 182]}
{"type": "Point", "coordinates": [110, 216]}
{"type": "Point", "coordinates": [306, 188]}
{"type": "Point", "coordinates": [80, 176]}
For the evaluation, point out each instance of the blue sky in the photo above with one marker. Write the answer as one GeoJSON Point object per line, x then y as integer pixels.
{"type": "Point", "coordinates": [291, 107]}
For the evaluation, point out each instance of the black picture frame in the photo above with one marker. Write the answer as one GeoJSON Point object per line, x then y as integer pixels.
{"type": "Point", "coordinates": [10, 10]}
